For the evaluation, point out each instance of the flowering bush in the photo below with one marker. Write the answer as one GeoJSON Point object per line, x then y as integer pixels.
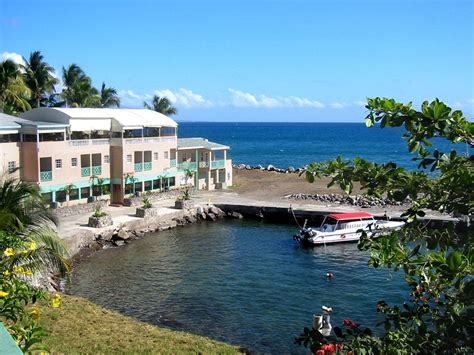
{"type": "Point", "coordinates": [17, 298]}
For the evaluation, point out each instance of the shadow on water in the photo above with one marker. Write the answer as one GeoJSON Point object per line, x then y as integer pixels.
{"type": "Point", "coordinates": [243, 282]}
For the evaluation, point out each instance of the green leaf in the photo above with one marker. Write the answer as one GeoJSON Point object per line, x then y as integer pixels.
{"type": "Point", "coordinates": [454, 260]}
{"type": "Point", "coordinates": [369, 122]}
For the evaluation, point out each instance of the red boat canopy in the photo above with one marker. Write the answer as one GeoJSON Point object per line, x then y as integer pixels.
{"type": "Point", "coordinates": [352, 215]}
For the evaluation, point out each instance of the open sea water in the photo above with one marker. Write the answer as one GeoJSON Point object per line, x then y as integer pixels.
{"type": "Point", "coordinates": [298, 144]}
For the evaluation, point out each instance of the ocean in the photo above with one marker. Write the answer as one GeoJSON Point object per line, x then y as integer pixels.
{"type": "Point", "coordinates": [298, 144]}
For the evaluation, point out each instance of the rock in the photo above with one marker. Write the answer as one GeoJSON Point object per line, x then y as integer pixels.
{"type": "Point", "coordinates": [119, 243]}
{"type": "Point", "coordinates": [270, 168]}
{"type": "Point", "coordinates": [215, 210]}
{"type": "Point", "coordinates": [259, 167]}
{"type": "Point", "coordinates": [248, 167]}
{"type": "Point", "coordinates": [211, 216]}
{"type": "Point", "coordinates": [241, 167]}
{"type": "Point", "coordinates": [236, 215]}
{"type": "Point", "coordinates": [122, 234]}
{"type": "Point", "coordinates": [100, 222]}
{"type": "Point", "coordinates": [291, 169]}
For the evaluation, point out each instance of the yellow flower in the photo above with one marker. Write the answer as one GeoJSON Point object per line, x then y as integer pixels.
{"type": "Point", "coordinates": [32, 245]}
{"type": "Point", "coordinates": [21, 270]}
{"type": "Point", "coordinates": [8, 252]}
{"type": "Point", "coordinates": [35, 313]}
{"type": "Point", "coordinates": [6, 273]}
{"type": "Point", "coordinates": [56, 301]}
{"type": "Point", "coordinates": [3, 294]}
{"type": "Point", "coordinates": [18, 270]}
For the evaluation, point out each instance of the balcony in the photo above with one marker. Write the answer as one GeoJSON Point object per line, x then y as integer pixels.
{"type": "Point", "coordinates": [173, 163]}
{"type": "Point", "coordinates": [216, 164]}
{"type": "Point", "coordinates": [147, 165]}
{"type": "Point", "coordinates": [203, 164]}
{"type": "Point", "coordinates": [86, 171]}
{"type": "Point", "coordinates": [46, 175]}
{"type": "Point", "coordinates": [96, 170]}
{"type": "Point", "coordinates": [138, 167]}
{"type": "Point", "coordinates": [187, 165]}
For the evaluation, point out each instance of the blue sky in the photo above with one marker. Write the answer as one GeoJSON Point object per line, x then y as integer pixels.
{"type": "Point", "coordinates": [259, 60]}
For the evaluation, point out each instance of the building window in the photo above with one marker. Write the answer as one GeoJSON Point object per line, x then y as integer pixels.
{"type": "Point", "coordinates": [11, 166]}
{"type": "Point", "coordinates": [166, 155]}
{"type": "Point", "coordinates": [106, 159]}
{"type": "Point", "coordinates": [155, 156]}
{"type": "Point", "coordinates": [59, 163]}
{"type": "Point", "coordinates": [129, 158]}
{"type": "Point", "coordinates": [73, 161]}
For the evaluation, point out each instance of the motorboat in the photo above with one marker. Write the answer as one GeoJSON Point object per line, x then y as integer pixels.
{"type": "Point", "coordinates": [345, 227]}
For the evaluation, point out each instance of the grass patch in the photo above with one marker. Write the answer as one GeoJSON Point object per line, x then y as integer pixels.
{"type": "Point", "coordinates": [79, 326]}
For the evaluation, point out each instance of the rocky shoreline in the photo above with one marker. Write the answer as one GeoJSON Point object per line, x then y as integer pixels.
{"type": "Point", "coordinates": [89, 241]}
{"type": "Point", "coordinates": [289, 170]}
{"type": "Point", "coordinates": [351, 200]}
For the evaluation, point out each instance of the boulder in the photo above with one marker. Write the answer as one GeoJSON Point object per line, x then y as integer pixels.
{"type": "Point", "coordinates": [291, 169]}
{"type": "Point", "coordinates": [211, 216]}
{"type": "Point", "coordinates": [236, 215]}
{"type": "Point", "coordinates": [122, 235]}
{"type": "Point", "coordinates": [270, 168]}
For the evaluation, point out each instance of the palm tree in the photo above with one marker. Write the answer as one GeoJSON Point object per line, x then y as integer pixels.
{"type": "Point", "coordinates": [108, 97]}
{"type": "Point", "coordinates": [14, 93]}
{"type": "Point", "coordinates": [78, 90]}
{"type": "Point", "coordinates": [39, 78]}
{"type": "Point", "coordinates": [23, 214]}
{"type": "Point", "coordinates": [161, 105]}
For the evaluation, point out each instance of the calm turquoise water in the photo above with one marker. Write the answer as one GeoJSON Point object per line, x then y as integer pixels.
{"type": "Point", "coordinates": [243, 282]}
{"type": "Point", "coordinates": [298, 144]}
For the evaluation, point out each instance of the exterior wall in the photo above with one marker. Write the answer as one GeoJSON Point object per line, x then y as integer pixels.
{"type": "Point", "coordinates": [228, 172]}
{"type": "Point", "coordinates": [158, 166]}
{"type": "Point", "coordinates": [65, 150]}
{"type": "Point", "coordinates": [9, 152]}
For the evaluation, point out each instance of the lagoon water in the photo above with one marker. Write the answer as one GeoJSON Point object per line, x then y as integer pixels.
{"type": "Point", "coordinates": [243, 282]}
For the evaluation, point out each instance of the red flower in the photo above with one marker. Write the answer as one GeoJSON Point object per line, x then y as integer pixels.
{"type": "Point", "coordinates": [424, 299]}
{"type": "Point", "coordinates": [350, 323]}
{"type": "Point", "coordinates": [320, 352]}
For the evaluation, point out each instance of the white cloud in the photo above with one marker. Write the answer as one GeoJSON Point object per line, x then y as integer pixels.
{"type": "Point", "coordinates": [15, 57]}
{"type": "Point", "coordinates": [128, 98]}
{"type": "Point", "coordinates": [244, 99]}
{"type": "Point", "coordinates": [470, 101]}
{"type": "Point", "coordinates": [338, 105]}
{"type": "Point", "coordinates": [185, 98]}
{"type": "Point", "coordinates": [360, 103]}
{"type": "Point", "coordinates": [179, 98]}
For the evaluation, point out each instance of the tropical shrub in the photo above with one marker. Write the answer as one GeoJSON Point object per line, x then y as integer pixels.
{"type": "Point", "coordinates": [29, 248]}
{"type": "Point", "coordinates": [437, 316]}
{"type": "Point", "coordinates": [147, 201]}
{"type": "Point", "coordinates": [99, 212]}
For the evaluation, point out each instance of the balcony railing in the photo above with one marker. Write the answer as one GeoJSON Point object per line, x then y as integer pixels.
{"type": "Point", "coordinates": [85, 142]}
{"type": "Point", "coordinates": [151, 139]}
{"type": "Point", "coordinates": [138, 167]}
{"type": "Point", "coordinates": [86, 171]}
{"type": "Point", "coordinates": [46, 175]}
{"type": "Point", "coordinates": [203, 164]}
{"type": "Point", "coordinates": [133, 140]}
{"type": "Point", "coordinates": [173, 163]}
{"type": "Point", "coordinates": [96, 170]}
{"type": "Point", "coordinates": [216, 164]}
{"type": "Point", "coordinates": [187, 165]}
{"type": "Point", "coordinates": [147, 165]}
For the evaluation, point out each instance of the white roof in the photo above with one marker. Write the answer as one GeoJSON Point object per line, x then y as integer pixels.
{"type": "Point", "coordinates": [91, 118]}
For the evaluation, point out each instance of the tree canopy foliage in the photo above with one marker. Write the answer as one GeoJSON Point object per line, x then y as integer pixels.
{"type": "Point", "coordinates": [438, 316]}
{"type": "Point", "coordinates": [35, 84]}
{"type": "Point", "coordinates": [161, 105]}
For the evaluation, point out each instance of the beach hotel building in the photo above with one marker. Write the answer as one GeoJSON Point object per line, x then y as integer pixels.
{"type": "Point", "coordinates": [79, 154]}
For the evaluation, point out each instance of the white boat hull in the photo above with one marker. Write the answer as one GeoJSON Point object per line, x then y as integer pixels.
{"type": "Point", "coordinates": [315, 237]}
